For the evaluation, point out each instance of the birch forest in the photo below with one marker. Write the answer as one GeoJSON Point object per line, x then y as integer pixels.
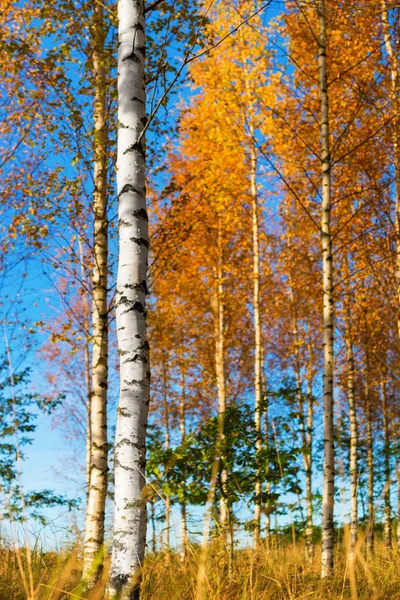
{"type": "Point", "coordinates": [199, 300]}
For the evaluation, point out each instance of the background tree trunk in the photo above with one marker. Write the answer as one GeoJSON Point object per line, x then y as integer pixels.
{"type": "Point", "coordinates": [387, 525]}
{"type": "Point", "coordinates": [167, 543]}
{"type": "Point", "coordinates": [308, 462]}
{"type": "Point", "coordinates": [219, 327]}
{"type": "Point", "coordinates": [370, 543]}
{"type": "Point", "coordinates": [94, 528]}
{"type": "Point", "coordinates": [257, 331]}
{"type": "Point", "coordinates": [353, 421]}
{"type": "Point", "coordinates": [182, 427]}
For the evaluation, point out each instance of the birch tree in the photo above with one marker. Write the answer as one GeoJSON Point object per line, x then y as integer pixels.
{"type": "Point", "coordinates": [129, 531]}
{"type": "Point", "coordinates": [97, 493]}
{"type": "Point", "coordinates": [328, 304]}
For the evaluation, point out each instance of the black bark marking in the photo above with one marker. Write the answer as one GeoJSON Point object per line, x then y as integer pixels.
{"type": "Point", "coordinates": [141, 214]}
{"type": "Point", "coordinates": [137, 99]}
{"type": "Point", "coordinates": [128, 187]}
{"type": "Point", "coordinates": [136, 147]}
{"type": "Point", "coordinates": [140, 241]}
{"type": "Point", "coordinates": [122, 223]}
{"type": "Point", "coordinates": [135, 382]}
{"type": "Point", "coordinates": [136, 358]}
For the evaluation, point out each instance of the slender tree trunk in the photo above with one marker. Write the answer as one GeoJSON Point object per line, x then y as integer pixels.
{"type": "Point", "coordinates": [87, 372]}
{"type": "Point", "coordinates": [94, 527]}
{"type": "Point", "coordinates": [387, 526]}
{"type": "Point", "coordinates": [392, 51]}
{"type": "Point", "coordinates": [130, 439]}
{"type": "Point", "coordinates": [182, 427]}
{"type": "Point", "coordinates": [398, 506]}
{"type": "Point", "coordinates": [257, 333]}
{"type": "Point", "coordinates": [305, 422]}
{"type": "Point", "coordinates": [328, 308]}
{"type": "Point", "coordinates": [153, 527]}
{"type": "Point", "coordinates": [308, 462]}
{"type": "Point", "coordinates": [370, 466]}
{"type": "Point", "coordinates": [353, 425]}
{"type": "Point", "coordinates": [88, 413]}
{"type": "Point", "coordinates": [268, 484]}
{"type": "Point", "coordinates": [219, 327]}
{"type": "Point", "coordinates": [265, 442]}
{"type": "Point", "coordinates": [167, 543]}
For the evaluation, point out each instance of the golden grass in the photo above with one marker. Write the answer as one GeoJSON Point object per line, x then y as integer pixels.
{"type": "Point", "coordinates": [281, 574]}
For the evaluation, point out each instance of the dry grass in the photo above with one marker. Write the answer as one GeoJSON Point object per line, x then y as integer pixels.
{"type": "Point", "coordinates": [281, 574]}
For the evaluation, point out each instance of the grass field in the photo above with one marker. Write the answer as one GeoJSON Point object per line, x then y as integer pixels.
{"type": "Point", "coordinates": [280, 574]}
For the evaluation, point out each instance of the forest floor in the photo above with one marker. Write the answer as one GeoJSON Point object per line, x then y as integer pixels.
{"type": "Point", "coordinates": [280, 574]}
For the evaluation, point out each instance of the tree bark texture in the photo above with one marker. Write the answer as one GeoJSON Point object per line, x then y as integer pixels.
{"type": "Point", "coordinates": [219, 328]}
{"type": "Point", "coordinates": [308, 460]}
{"type": "Point", "coordinates": [130, 440]}
{"type": "Point", "coordinates": [305, 420]}
{"type": "Point", "coordinates": [257, 332]}
{"type": "Point", "coordinates": [370, 542]}
{"type": "Point", "coordinates": [387, 526]}
{"type": "Point", "coordinates": [353, 425]}
{"type": "Point", "coordinates": [167, 543]}
{"type": "Point", "coordinates": [328, 306]}
{"type": "Point", "coordinates": [182, 427]}
{"type": "Point", "coordinates": [94, 527]}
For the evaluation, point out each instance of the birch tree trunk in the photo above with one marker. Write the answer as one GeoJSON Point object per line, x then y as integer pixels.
{"type": "Point", "coordinates": [268, 484]}
{"type": "Point", "coordinates": [328, 307]}
{"type": "Point", "coordinates": [353, 425]}
{"type": "Point", "coordinates": [167, 543]}
{"type": "Point", "coordinates": [387, 526]}
{"type": "Point", "coordinates": [87, 373]}
{"type": "Point", "coordinates": [308, 462]}
{"type": "Point", "coordinates": [257, 332]}
{"type": "Point", "coordinates": [304, 421]}
{"type": "Point", "coordinates": [182, 427]}
{"type": "Point", "coordinates": [130, 440]}
{"type": "Point", "coordinates": [94, 527]}
{"type": "Point", "coordinates": [370, 466]}
{"type": "Point", "coordinates": [392, 51]}
{"type": "Point", "coordinates": [219, 327]}
{"type": "Point", "coordinates": [398, 505]}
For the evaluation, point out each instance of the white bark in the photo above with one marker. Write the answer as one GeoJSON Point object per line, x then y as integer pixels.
{"type": "Point", "coordinates": [353, 424]}
{"type": "Point", "coordinates": [257, 332]}
{"type": "Point", "coordinates": [219, 328]}
{"type": "Point", "coordinates": [167, 542]}
{"type": "Point", "coordinates": [308, 460]}
{"type": "Point", "coordinates": [130, 450]}
{"type": "Point", "coordinates": [387, 526]}
{"type": "Point", "coordinates": [398, 505]}
{"type": "Point", "coordinates": [305, 421]}
{"type": "Point", "coordinates": [370, 542]}
{"type": "Point", "coordinates": [392, 51]}
{"type": "Point", "coordinates": [328, 307]}
{"type": "Point", "coordinates": [94, 527]}
{"type": "Point", "coordinates": [87, 374]}
{"type": "Point", "coordinates": [182, 427]}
